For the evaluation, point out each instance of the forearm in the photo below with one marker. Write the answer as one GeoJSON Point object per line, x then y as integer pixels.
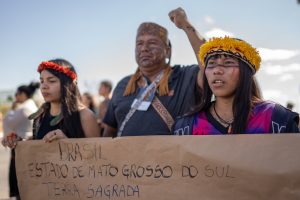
{"type": "Point", "coordinates": [195, 39]}
{"type": "Point", "coordinates": [179, 18]}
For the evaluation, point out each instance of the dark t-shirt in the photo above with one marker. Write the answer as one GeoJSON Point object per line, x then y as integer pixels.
{"type": "Point", "coordinates": [45, 126]}
{"type": "Point", "coordinates": [184, 94]}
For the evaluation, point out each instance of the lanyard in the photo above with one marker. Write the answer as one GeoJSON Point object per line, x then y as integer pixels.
{"type": "Point", "coordinates": [139, 101]}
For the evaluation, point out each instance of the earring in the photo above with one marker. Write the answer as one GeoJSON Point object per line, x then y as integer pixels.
{"type": "Point", "coordinates": [168, 60]}
{"type": "Point", "coordinates": [213, 98]}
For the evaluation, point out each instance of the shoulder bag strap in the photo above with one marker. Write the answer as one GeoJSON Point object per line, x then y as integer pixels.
{"type": "Point", "coordinates": [163, 112]}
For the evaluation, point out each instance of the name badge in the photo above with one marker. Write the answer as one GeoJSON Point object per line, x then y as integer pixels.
{"type": "Point", "coordinates": [146, 103]}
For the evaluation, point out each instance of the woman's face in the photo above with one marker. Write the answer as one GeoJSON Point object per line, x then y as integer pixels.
{"type": "Point", "coordinates": [222, 72]}
{"type": "Point", "coordinates": [20, 97]}
{"type": "Point", "coordinates": [85, 100]}
{"type": "Point", "coordinates": [50, 87]}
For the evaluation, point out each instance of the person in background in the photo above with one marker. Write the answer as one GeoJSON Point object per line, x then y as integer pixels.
{"type": "Point", "coordinates": [88, 101]}
{"type": "Point", "coordinates": [290, 105]}
{"type": "Point", "coordinates": [105, 89]}
{"type": "Point", "coordinates": [16, 122]}
{"type": "Point", "coordinates": [38, 98]}
{"type": "Point", "coordinates": [229, 66]}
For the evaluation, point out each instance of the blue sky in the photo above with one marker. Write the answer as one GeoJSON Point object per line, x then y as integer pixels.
{"type": "Point", "coordinates": [98, 37]}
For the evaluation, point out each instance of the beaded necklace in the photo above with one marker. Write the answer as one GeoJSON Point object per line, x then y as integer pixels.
{"type": "Point", "coordinates": [228, 123]}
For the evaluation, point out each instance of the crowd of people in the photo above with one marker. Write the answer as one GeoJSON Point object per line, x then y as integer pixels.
{"type": "Point", "coordinates": [220, 95]}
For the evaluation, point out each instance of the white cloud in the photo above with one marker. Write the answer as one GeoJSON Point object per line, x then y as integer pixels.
{"type": "Point", "coordinates": [275, 95]}
{"type": "Point", "coordinates": [271, 94]}
{"type": "Point", "coordinates": [286, 77]}
{"type": "Point", "coordinates": [277, 54]}
{"type": "Point", "coordinates": [280, 69]}
{"type": "Point", "coordinates": [209, 20]}
{"type": "Point", "coordinates": [217, 32]}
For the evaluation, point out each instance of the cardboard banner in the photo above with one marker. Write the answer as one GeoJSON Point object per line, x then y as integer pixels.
{"type": "Point", "coordinates": [161, 167]}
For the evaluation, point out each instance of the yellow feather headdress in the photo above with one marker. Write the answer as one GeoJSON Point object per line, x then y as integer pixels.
{"type": "Point", "coordinates": [235, 47]}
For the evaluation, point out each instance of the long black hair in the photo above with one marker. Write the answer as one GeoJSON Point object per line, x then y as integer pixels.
{"type": "Point", "coordinates": [70, 98]}
{"type": "Point", "coordinates": [247, 94]}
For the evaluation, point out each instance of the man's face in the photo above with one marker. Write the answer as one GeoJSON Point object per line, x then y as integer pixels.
{"type": "Point", "coordinates": [150, 50]}
{"type": "Point", "coordinates": [103, 90]}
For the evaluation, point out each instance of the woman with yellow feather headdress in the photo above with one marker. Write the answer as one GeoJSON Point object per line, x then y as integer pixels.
{"type": "Point", "coordinates": [229, 66]}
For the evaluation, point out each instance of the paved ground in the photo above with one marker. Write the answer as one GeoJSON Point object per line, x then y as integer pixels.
{"type": "Point", "coordinates": [4, 163]}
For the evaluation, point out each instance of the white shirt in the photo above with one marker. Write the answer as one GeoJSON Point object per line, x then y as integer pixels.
{"type": "Point", "coordinates": [17, 120]}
